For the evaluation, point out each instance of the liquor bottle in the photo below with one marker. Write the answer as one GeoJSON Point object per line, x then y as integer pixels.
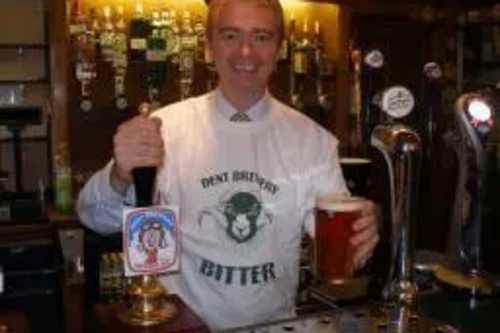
{"type": "Point", "coordinates": [140, 29]}
{"type": "Point", "coordinates": [85, 54]}
{"type": "Point", "coordinates": [174, 41]}
{"type": "Point", "coordinates": [167, 32]}
{"type": "Point", "coordinates": [321, 70]}
{"type": "Point", "coordinates": [283, 54]}
{"type": "Point", "coordinates": [202, 53]}
{"type": "Point", "coordinates": [85, 73]}
{"type": "Point", "coordinates": [302, 50]}
{"type": "Point", "coordinates": [315, 101]}
{"type": "Point", "coordinates": [63, 179]}
{"type": "Point", "coordinates": [186, 55]}
{"type": "Point", "coordinates": [78, 24]}
{"type": "Point", "coordinates": [120, 61]}
{"type": "Point", "coordinates": [104, 278]}
{"type": "Point", "coordinates": [317, 53]}
{"type": "Point", "coordinates": [300, 68]}
{"type": "Point", "coordinates": [156, 45]}
{"type": "Point", "coordinates": [107, 36]}
{"type": "Point", "coordinates": [156, 22]}
{"type": "Point", "coordinates": [94, 33]}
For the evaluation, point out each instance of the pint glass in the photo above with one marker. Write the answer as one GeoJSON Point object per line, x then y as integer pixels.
{"type": "Point", "coordinates": [333, 229]}
{"type": "Point", "coordinates": [357, 174]}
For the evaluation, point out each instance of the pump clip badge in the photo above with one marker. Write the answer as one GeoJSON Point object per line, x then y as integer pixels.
{"type": "Point", "coordinates": [151, 240]}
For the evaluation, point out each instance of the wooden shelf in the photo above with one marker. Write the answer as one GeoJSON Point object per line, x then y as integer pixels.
{"type": "Point", "coordinates": [27, 139]}
{"type": "Point", "coordinates": [26, 81]}
{"type": "Point", "coordinates": [477, 25]}
{"type": "Point", "coordinates": [23, 46]}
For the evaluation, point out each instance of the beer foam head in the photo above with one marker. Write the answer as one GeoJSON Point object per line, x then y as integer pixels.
{"type": "Point", "coordinates": [340, 203]}
{"type": "Point", "coordinates": [354, 160]}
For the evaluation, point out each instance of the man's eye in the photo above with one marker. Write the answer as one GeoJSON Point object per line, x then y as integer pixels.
{"type": "Point", "coordinates": [229, 36]}
{"type": "Point", "coordinates": [262, 38]}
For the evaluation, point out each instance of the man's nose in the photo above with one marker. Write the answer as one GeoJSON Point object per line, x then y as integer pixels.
{"type": "Point", "coordinates": [245, 48]}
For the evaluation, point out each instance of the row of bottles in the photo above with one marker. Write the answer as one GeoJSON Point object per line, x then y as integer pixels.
{"type": "Point", "coordinates": [107, 36]}
{"type": "Point", "coordinates": [162, 43]}
{"type": "Point", "coordinates": [112, 280]}
{"type": "Point", "coordinates": [306, 51]}
{"type": "Point", "coordinates": [310, 70]}
{"type": "Point", "coordinates": [156, 39]}
{"type": "Point", "coordinates": [480, 15]}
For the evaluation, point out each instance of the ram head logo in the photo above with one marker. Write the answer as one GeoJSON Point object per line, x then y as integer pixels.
{"type": "Point", "coordinates": [241, 215]}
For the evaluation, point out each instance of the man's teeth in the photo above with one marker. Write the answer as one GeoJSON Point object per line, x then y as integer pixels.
{"type": "Point", "coordinates": [244, 67]}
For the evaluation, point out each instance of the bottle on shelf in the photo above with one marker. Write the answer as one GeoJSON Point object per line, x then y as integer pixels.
{"type": "Point", "coordinates": [84, 46]}
{"type": "Point", "coordinates": [107, 40]}
{"type": "Point", "coordinates": [156, 43]}
{"type": "Point", "coordinates": [300, 68]}
{"type": "Point", "coordinates": [120, 61]}
{"type": "Point", "coordinates": [94, 32]}
{"type": "Point", "coordinates": [317, 101]}
{"type": "Point", "coordinates": [188, 40]}
{"type": "Point", "coordinates": [291, 40]}
{"type": "Point", "coordinates": [63, 186]}
{"type": "Point", "coordinates": [302, 51]}
{"type": "Point", "coordinates": [175, 39]}
{"type": "Point", "coordinates": [140, 29]}
{"type": "Point", "coordinates": [166, 32]}
{"type": "Point", "coordinates": [319, 63]}
{"type": "Point", "coordinates": [202, 54]}
{"type": "Point", "coordinates": [78, 22]}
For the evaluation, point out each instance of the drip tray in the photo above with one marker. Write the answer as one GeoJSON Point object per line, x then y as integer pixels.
{"type": "Point", "coordinates": [353, 320]}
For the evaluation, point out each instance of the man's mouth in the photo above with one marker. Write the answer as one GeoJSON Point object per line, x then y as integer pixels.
{"type": "Point", "coordinates": [247, 68]}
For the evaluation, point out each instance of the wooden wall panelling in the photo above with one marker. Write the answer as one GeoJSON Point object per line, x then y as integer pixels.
{"type": "Point", "coordinates": [25, 81]}
{"type": "Point", "coordinates": [343, 81]}
{"type": "Point", "coordinates": [58, 33]}
{"type": "Point", "coordinates": [405, 44]}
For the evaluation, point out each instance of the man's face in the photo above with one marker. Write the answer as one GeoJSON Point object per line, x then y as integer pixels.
{"type": "Point", "coordinates": [244, 43]}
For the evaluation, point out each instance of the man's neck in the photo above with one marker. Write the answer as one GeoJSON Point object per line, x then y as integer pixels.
{"type": "Point", "coordinates": [241, 101]}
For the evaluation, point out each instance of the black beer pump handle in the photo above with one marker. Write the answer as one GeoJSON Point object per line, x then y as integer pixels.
{"type": "Point", "coordinates": [144, 182]}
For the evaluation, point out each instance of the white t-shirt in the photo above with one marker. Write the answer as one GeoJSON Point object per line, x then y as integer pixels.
{"type": "Point", "coordinates": [245, 190]}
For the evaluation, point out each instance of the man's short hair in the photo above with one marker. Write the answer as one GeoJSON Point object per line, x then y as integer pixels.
{"type": "Point", "coordinates": [275, 6]}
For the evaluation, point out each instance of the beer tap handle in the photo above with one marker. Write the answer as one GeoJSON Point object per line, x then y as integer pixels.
{"type": "Point", "coordinates": [431, 105]}
{"type": "Point", "coordinates": [144, 177]}
{"type": "Point", "coordinates": [144, 181]}
{"type": "Point", "coordinates": [373, 64]}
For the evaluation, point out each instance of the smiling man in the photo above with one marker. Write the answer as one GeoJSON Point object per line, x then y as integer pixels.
{"type": "Point", "coordinates": [244, 170]}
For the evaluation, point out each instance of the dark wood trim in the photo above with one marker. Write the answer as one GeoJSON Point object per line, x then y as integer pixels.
{"type": "Point", "coordinates": [26, 81]}
{"type": "Point", "coordinates": [36, 46]}
{"type": "Point", "coordinates": [58, 36]}
{"type": "Point", "coordinates": [343, 84]}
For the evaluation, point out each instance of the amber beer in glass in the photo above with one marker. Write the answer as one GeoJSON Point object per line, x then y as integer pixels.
{"type": "Point", "coordinates": [333, 229]}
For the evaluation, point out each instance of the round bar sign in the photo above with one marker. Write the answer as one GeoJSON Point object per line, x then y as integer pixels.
{"type": "Point", "coordinates": [397, 101]}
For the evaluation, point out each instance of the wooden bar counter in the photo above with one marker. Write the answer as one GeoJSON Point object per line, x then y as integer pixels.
{"type": "Point", "coordinates": [184, 321]}
{"type": "Point", "coordinates": [13, 322]}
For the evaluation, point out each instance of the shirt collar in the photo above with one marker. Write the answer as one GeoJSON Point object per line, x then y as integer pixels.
{"type": "Point", "coordinates": [227, 110]}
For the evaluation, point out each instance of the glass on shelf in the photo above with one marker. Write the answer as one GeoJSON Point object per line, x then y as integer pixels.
{"type": "Point", "coordinates": [12, 94]}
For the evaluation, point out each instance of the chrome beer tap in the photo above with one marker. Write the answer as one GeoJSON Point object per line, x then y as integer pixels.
{"type": "Point", "coordinates": [401, 149]}
{"type": "Point", "coordinates": [475, 121]}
